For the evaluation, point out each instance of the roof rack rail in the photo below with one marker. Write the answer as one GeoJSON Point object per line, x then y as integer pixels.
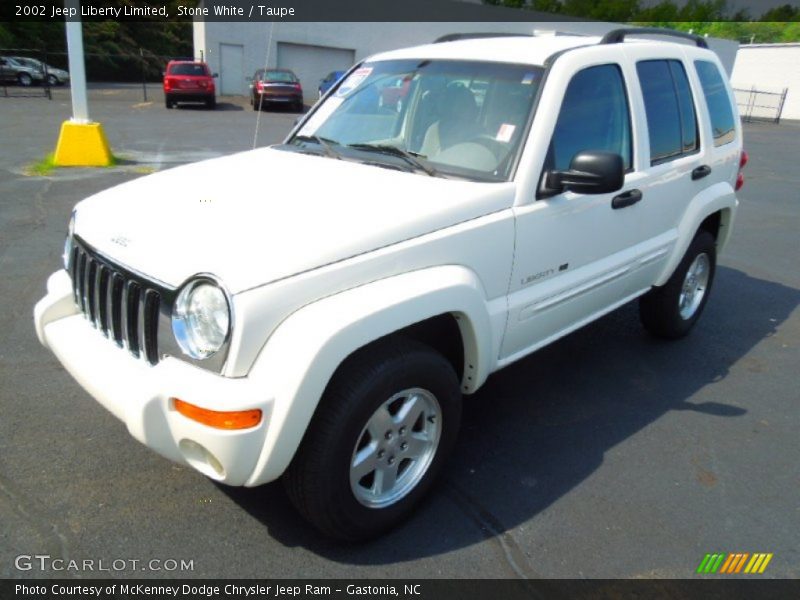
{"type": "Point", "coordinates": [454, 37]}
{"type": "Point", "coordinates": [617, 36]}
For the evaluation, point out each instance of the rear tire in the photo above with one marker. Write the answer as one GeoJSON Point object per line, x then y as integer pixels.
{"type": "Point", "coordinates": [380, 435]}
{"type": "Point", "coordinates": [25, 80]}
{"type": "Point", "coordinates": [168, 102]}
{"type": "Point", "coordinates": [670, 311]}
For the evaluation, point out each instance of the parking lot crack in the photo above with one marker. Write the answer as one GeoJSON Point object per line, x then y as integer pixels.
{"type": "Point", "coordinates": [491, 527]}
{"type": "Point", "coordinates": [56, 540]}
{"type": "Point", "coordinates": [40, 214]}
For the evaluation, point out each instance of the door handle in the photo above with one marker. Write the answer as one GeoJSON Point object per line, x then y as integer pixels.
{"type": "Point", "coordinates": [626, 199]}
{"type": "Point", "coordinates": [701, 172]}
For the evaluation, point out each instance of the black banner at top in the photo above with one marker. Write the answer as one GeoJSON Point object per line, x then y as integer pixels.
{"type": "Point", "coordinates": [368, 10]}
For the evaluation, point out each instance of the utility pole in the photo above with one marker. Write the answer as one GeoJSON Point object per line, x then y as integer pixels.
{"type": "Point", "coordinates": [82, 142]}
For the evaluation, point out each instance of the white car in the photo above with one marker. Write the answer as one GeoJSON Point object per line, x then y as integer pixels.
{"type": "Point", "coordinates": [325, 329]}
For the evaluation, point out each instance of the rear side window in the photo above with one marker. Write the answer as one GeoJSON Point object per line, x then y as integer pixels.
{"type": "Point", "coordinates": [718, 101]}
{"type": "Point", "coordinates": [671, 116]}
{"type": "Point", "coordinates": [594, 116]}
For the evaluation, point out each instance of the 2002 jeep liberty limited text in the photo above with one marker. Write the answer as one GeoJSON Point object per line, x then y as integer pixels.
{"type": "Point", "coordinates": [511, 190]}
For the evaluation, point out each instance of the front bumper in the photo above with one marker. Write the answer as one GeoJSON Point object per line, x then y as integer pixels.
{"type": "Point", "coordinates": [141, 395]}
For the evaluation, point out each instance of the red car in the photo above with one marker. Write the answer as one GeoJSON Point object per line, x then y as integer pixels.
{"type": "Point", "coordinates": [189, 81]}
{"type": "Point", "coordinates": [393, 95]}
{"type": "Point", "coordinates": [276, 86]}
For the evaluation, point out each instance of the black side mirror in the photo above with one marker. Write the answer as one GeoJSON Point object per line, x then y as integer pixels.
{"type": "Point", "coordinates": [590, 172]}
{"type": "Point", "coordinates": [215, 75]}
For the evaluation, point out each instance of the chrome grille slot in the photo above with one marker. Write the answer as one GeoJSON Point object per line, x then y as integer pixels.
{"type": "Point", "coordinates": [123, 306]}
{"type": "Point", "coordinates": [91, 273]}
{"type": "Point", "coordinates": [132, 317]}
{"type": "Point", "coordinates": [117, 284]}
{"type": "Point", "coordinates": [101, 299]}
{"type": "Point", "coordinates": [81, 286]}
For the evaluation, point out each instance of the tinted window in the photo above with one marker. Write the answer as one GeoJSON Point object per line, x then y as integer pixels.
{"type": "Point", "coordinates": [594, 116]}
{"type": "Point", "coordinates": [685, 106]}
{"type": "Point", "coordinates": [671, 116]}
{"type": "Point", "coordinates": [718, 101]}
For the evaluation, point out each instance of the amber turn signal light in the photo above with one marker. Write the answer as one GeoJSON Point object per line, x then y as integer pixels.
{"type": "Point", "coordinates": [240, 419]}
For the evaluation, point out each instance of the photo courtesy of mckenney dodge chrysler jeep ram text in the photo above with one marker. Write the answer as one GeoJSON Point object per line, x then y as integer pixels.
{"type": "Point", "coordinates": [524, 187]}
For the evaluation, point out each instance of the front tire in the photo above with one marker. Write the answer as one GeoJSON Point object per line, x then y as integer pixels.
{"type": "Point", "coordinates": [52, 80]}
{"type": "Point", "coordinates": [380, 436]}
{"type": "Point", "coordinates": [670, 311]}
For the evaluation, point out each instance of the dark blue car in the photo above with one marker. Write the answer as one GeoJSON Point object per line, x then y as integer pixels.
{"type": "Point", "coordinates": [330, 80]}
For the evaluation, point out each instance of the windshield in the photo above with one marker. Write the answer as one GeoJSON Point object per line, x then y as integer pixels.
{"type": "Point", "coordinates": [460, 118]}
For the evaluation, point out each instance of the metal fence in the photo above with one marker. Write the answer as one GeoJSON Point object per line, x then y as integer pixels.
{"type": "Point", "coordinates": [20, 83]}
{"type": "Point", "coordinates": [144, 68]}
{"type": "Point", "coordinates": [760, 104]}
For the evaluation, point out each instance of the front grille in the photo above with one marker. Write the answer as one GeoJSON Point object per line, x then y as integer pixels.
{"type": "Point", "coordinates": [123, 306]}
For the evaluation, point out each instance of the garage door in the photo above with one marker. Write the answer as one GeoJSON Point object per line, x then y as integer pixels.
{"type": "Point", "coordinates": [312, 63]}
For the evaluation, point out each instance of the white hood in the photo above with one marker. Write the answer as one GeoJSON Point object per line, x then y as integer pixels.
{"type": "Point", "coordinates": [259, 216]}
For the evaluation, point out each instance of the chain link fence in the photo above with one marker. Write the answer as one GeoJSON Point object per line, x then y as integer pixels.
{"type": "Point", "coordinates": [25, 72]}
{"type": "Point", "coordinates": [34, 73]}
{"type": "Point", "coordinates": [761, 105]}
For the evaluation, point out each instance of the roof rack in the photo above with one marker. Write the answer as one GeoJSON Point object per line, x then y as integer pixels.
{"type": "Point", "coordinates": [454, 37]}
{"type": "Point", "coordinates": [617, 36]}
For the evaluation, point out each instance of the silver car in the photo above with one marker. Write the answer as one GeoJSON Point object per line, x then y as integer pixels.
{"type": "Point", "coordinates": [14, 71]}
{"type": "Point", "coordinates": [54, 75]}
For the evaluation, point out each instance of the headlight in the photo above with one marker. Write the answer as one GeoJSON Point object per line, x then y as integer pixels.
{"type": "Point", "coordinates": [68, 241]}
{"type": "Point", "coordinates": [201, 318]}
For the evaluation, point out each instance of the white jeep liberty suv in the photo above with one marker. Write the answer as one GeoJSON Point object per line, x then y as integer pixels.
{"type": "Point", "coordinates": [442, 212]}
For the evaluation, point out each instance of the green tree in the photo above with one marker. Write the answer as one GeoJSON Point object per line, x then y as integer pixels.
{"type": "Point", "coordinates": [703, 17]}
{"type": "Point", "coordinates": [114, 50]}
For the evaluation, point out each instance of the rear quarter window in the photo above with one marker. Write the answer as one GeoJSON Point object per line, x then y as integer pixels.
{"type": "Point", "coordinates": [718, 102]}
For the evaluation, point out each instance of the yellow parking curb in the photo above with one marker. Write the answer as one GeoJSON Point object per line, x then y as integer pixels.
{"type": "Point", "coordinates": [82, 145]}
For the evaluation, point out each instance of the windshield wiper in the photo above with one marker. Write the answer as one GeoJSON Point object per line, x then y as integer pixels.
{"type": "Point", "coordinates": [410, 157]}
{"type": "Point", "coordinates": [322, 142]}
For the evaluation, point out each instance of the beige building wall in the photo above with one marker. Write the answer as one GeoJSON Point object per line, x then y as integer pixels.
{"type": "Point", "coordinates": [770, 68]}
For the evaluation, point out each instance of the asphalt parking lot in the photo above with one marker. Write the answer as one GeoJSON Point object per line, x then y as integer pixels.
{"type": "Point", "coordinates": [608, 454]}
